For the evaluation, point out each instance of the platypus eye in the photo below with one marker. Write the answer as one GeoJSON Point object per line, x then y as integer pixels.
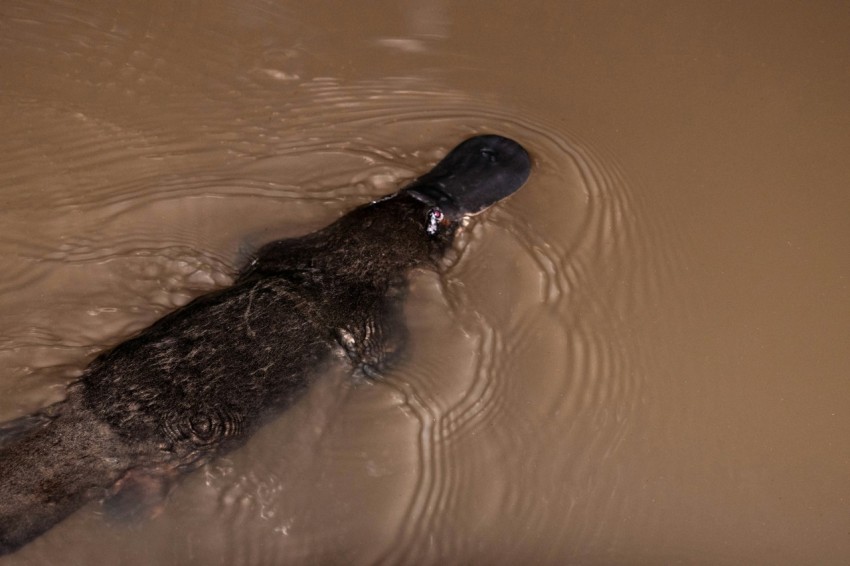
{"type": "Point", "coordinates": [488, 154]}
{"type": "Point", "coordinates": [435, 216]}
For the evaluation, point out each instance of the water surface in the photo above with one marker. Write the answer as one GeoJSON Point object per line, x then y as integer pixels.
{"type": "Point", "coordinates": [639, 358]}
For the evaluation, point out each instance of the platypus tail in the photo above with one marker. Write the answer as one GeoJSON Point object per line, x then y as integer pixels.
{"type": "Point", "coordinates": [50, 467]}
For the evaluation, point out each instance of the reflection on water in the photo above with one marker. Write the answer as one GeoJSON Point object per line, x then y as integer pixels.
{"type": "Point", "coordinates": [577, 386]}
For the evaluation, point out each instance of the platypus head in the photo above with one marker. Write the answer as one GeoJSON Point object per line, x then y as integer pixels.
{"type": "Point", "coordinates": [473, 176]}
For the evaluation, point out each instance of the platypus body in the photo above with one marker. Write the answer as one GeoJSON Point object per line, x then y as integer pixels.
{"type": "Point", "coordinates": [200, 380]}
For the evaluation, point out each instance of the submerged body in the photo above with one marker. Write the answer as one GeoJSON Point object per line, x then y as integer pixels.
{"type": "Point", "coordinates": [200, 380]}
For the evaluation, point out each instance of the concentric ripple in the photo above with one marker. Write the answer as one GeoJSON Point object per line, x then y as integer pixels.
{"type": "Point", "coordinates": [533, 292]}
{"type": "Point", "coordinates": [514, 346]}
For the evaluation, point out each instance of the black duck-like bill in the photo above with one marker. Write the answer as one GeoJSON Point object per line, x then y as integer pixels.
{"type": "Point", "coordinates": [476, 174]}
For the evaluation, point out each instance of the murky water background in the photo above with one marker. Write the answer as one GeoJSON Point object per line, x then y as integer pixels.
{"type": "Point", "coordinates": [640, 358]}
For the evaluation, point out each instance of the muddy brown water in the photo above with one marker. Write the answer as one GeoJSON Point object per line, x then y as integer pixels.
{"type": "Point", "coordinates": [640, 358]}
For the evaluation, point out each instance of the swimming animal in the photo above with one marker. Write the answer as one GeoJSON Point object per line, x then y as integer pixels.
{"type": "Point", "coordinates": [200, 380]}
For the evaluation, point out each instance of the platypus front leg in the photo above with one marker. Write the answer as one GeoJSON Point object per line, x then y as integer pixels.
{"type": "Point", "coordinates": [378, 340]}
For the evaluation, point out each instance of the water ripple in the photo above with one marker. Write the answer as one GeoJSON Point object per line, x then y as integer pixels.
{"type": "Point", "coordinates": [535, 288]}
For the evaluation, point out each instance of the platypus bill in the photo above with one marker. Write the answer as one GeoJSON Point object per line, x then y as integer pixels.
{"type": "Point", "coordinates": [200, 380]}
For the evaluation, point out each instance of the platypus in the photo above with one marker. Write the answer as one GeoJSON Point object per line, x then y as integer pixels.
{"type": "Point", "coordinates": [200, 380]}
